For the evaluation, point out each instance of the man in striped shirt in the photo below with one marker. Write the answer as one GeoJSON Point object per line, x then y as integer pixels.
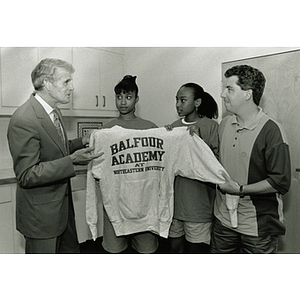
{"type": "Point", "coordinates": [255, 153]}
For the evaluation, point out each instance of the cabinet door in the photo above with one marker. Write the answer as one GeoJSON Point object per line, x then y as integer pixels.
{"type": "Point", "coordinates": [111, 72]}
{"type": "Point", "coordinates": [19, 240]}
{"type": "Point", "coordinates": [63, 53]}
{"type": "Point", "coordinates": [6, 219]}
{"type": "Point", "coordinates": [86, 95]}
{"type": "Point", "coordinates": [17, 64]}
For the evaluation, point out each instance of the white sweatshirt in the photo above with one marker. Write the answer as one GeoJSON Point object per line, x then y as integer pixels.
{"type": "Point", "coordinates": [137, 172]}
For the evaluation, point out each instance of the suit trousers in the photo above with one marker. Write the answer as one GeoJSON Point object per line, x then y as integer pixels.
{"type": "Point", "coordinates": [67, 242]}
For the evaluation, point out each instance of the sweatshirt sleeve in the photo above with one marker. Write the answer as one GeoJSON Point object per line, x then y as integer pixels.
{"type": "Point", "coordinates": [91, 198]}
{"type": "Point", "coordinates": [197, 161]}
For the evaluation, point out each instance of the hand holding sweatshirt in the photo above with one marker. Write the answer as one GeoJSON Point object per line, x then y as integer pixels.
{"type": "Point", "coordinates": [136, 175]}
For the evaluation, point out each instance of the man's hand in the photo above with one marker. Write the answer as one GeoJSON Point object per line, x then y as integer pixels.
{"type": "Point", "coordinates": [230, 186]}
{"type": "Point", "coordinates": [84, 156]}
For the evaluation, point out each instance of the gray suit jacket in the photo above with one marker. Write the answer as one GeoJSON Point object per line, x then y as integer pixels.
{"type": "Point", "coordinates": [43, 170]}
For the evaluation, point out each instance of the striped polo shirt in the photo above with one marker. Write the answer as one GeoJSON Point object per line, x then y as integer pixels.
{"type": "Point", "coordinates": [251, 154]}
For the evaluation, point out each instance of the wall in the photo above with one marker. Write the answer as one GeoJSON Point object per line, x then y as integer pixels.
{"type": "Point", "coordinates": [161, 71]}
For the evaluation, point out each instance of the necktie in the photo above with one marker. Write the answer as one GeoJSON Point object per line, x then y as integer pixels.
{"type": "Point", "coordinates": [58, 127]}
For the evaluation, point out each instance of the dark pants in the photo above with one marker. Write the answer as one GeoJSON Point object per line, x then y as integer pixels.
{"type": "Point", "coordinates": [225, 240]}
{"type": "Point", "coordinates": [67, 242]}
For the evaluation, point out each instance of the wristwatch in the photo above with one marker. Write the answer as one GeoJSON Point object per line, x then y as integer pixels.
{"type": "Point", "coordinates": [241, 194]}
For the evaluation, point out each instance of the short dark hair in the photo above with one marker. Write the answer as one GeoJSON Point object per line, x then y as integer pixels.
{"type": "Point", "coordinates": [126, 85]}
{"type": "Point", "coordinates": [249, 78]}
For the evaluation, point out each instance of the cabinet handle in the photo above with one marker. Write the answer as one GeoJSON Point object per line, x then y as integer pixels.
{"type": "Point", "coordinates": [97, 101]}
{"type": "Point", "coordinates": [104, 102]}
{"type": "Point", "coordinates": [297, 170]}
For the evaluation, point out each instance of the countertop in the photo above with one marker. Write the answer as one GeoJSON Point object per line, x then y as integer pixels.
{"type": "Point", "coordinates": [7, 176]}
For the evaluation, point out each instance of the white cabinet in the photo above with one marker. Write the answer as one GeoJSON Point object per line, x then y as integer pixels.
{"type": "Point", "coordinates": [17, 63]}
{"type": "Point", "coordinates": [6, 217]}
{"type": "Point", "coordinates": [86, 79]}
{"type": "Point", "coordinates": [11, 241]}
{"type": "Point", "coordinates": [64, 53]}
{"type": "Point", "coordinates": [16, 67]}
{"type": "Point", "coordinates": [111, 72]}
{"type": "Point", "coordinates": [97, 72]}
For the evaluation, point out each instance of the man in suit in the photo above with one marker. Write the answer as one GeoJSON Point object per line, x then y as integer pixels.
{"type": "Point", "coordinates": [43, 161]}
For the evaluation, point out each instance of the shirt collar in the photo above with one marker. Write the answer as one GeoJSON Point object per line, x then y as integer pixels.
{"type": "Point", "coordinates": [250, 125]}
{"type": "Point", "coordinates": [187, 123]}
{"type": "Point", "coordinates": [46, 106]}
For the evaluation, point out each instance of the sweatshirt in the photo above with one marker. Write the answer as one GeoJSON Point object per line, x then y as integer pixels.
{"type": "Point", "coordinates": [136, 175]}
{"type": "Point", "coordinates": [193, 199]}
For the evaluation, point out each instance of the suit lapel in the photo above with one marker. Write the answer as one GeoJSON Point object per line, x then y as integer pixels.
{"type": "Point", "coordinates": [47, 124]}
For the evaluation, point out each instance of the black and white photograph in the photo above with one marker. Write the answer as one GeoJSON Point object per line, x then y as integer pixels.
{"type": "Point", "coordinates": [140, 144]}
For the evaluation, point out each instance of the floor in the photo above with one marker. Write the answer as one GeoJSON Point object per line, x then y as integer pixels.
{"type": "Point", "coordinates": [95, 247]}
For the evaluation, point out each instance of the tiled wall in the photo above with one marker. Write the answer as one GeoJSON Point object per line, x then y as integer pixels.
{"type": "Point", "coordinates": [70, 125]}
